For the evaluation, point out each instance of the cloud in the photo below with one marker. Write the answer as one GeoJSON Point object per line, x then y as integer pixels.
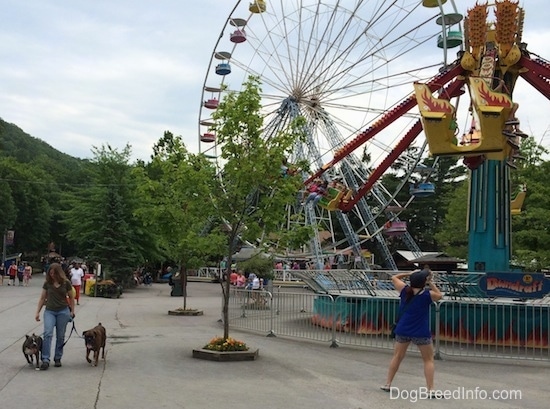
{"type": "Point", "coordinates": [78, 74]}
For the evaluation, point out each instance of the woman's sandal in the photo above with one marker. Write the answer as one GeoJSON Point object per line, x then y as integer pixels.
{"type": "Point", "coordinates": [386, 387]}
{"type": "Point", "coordinates": [436, 395]}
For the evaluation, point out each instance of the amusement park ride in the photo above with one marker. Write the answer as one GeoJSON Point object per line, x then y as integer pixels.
{"type": "Point", "coordinates": [326, 63]}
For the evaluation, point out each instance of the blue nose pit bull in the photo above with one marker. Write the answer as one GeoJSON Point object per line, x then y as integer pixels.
{"type": "Point", "coordinates": [32, 349]}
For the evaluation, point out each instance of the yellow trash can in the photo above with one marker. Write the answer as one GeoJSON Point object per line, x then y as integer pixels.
{"type": "Point", "coordinates": [90, 282]}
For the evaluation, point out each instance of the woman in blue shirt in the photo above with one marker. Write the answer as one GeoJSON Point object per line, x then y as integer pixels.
{"type": "Point", "coordinates": [413, 325]}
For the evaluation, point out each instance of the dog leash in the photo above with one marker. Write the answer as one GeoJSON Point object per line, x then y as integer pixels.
{"type": "Point", "coordinates": [73, 329]}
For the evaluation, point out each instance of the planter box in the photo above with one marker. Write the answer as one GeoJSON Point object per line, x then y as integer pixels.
{"type": "Point", "coordinates": [233, 356]}
{"type": "Point", "coordinates": [185, 312]}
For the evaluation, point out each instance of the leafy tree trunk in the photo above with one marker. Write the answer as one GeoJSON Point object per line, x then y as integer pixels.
{"type": "Point", "coordinates": [226, 284]}
{"type": "Point", "coordinates": [183, 280]}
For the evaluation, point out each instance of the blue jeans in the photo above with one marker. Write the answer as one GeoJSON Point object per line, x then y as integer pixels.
{"type": "Point", "coordinates": [59, 321]}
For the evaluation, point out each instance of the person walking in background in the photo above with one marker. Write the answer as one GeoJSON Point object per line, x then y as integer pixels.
{"type": "Point", "coordinates": [413, 323]}
{"type": "Point", "coordinates": [241, 280]}
{"type": "Point", "coordinates": [58, 298]}
{"type": "Point", "coordinates": [12, 272]}
{"type": "Point", "coordinates": [76, 273]}
{"type": "Point", "coordinates": [20, 273]}
{"type": "Point", "coordinates": [27, 274]}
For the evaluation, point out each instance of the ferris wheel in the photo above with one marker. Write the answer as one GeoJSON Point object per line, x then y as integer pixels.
{"type": "Point", "coordinates": [343, 66]}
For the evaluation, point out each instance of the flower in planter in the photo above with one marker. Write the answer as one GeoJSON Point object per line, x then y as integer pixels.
{"type": "Point", "coordinates": [227, 345]}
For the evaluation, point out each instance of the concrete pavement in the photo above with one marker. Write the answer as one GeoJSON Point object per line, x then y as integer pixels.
{"type": "Point", "coordinates": [149, 364]}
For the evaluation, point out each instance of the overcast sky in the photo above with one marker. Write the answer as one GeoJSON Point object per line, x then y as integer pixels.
{"type": "Point", "coordinates": [83, 73]}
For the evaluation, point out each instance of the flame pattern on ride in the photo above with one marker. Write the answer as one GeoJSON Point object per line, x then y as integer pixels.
{"type": "Point", "coordinates": [492, 98]}
{"type": "Point", "coordinates": [429, 103]}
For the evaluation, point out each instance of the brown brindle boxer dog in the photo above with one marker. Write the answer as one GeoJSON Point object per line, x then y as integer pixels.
{"type": "Point", "coordinates": [95, 339]}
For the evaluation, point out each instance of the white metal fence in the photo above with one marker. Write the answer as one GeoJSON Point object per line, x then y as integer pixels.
{"type": "Point", "coordinates": [468, 328]}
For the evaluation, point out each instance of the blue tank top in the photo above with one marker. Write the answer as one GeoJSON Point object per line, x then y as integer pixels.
{"type": "Point", "coordinates": [415, 321]}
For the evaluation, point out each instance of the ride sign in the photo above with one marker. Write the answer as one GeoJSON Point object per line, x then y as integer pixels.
{"type": "Point", "coordinates": [508, 284]}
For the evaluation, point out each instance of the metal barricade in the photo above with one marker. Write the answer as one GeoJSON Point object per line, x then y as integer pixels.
{"type": "Point", "coordinates": [365, 321]}
{"type": "Point", "coordinates": [208, 272]}
{"type": "Point", "coordinates": [284, 312]}
{"type": "Point", "coordinates": [469, 328]}
{"type": "Point", "coordinates": [495, 328]}
{"type": "Point", "coordinates": [295, 311]}
{"type": "Point", "coordinates": [250, 309]}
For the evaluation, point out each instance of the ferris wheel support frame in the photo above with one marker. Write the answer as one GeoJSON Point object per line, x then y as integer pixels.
{"type": "Point", "coordinates": [405, 106]}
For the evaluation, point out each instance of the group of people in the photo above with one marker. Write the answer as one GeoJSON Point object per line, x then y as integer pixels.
{"type": "Point", "coordinates": [318, 189]}
{"type": "Point", "coordinates": [248, 281]}
{"type": "Point", "coordinates": [22, 271]}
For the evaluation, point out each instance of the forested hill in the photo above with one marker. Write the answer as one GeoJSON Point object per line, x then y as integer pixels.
{"type": "Point", "coordinates": [26, 149]}
{"type": "Point", "coordinates": [34, 177]}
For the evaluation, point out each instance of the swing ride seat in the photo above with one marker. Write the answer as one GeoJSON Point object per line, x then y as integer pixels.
{"type": "Point", "coordinates": [348, 194]}
{"type": "Point", "coordinates": [438, 121]}
{"type": "Point", "coordinates": [493, 109]}
{"type": "Point", "coordinates": [332, 199]}
{"type": "Point", "coordinates": [517, 203]}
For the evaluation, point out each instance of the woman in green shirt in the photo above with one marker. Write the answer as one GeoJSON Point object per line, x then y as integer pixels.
{"type": "Point", "coordinates": [58, 297]}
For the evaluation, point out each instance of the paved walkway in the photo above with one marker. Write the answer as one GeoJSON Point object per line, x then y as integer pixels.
{"type": "Point", "coordinates": [149, 364]}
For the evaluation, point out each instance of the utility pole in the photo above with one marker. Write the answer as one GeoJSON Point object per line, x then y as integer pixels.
{"type": "Point", "coordinates": [7, 241]}
{"type": "Point", "coordinates": [4, 248]}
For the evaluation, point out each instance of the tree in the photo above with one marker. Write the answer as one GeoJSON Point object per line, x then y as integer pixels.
{"type": "Point", "coordinates": [452, 235]}
{"type": "Point", "coordinates": [531, 235]}
{"type": "Point", "coordinates": [175, 192]}
{"type": "Point", "coordinates": [25, 203]}
{"type": "Point", "coordinates": [253, 193]}
{"type": "Point", "coordinates": [101, 218]}
{"type": "Point", "coordinates": [427, 214]}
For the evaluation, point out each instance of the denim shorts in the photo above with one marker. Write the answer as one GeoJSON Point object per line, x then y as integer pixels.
{"type": "Point", "coordinates": [415, 340]}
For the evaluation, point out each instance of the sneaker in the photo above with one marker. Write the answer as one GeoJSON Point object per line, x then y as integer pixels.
{"type": "Point", "coordinates": [512, 122]}
{"type": "Point", "coordinates": [45, 365]}
{"type": "Point", "coordinates": [511, 164]}
{"type": "Point", "coordinates": [509, 134]}
{"type": "Point", "coordinates": [57, 364]}
{"type": "Point", "coordinates": [518, 156]}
